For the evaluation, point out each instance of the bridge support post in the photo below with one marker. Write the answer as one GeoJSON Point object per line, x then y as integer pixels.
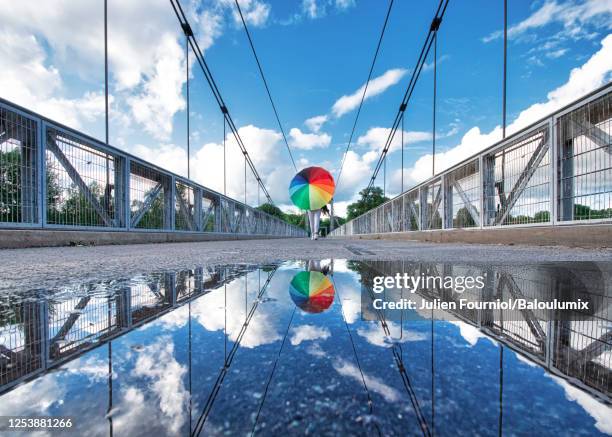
{"type": "Point", "coordinates": [447, 203]}
{"type": "Point", "coordinates": [488, 182]}
{"type": "Point", "coordinates": [126, 200]}
{"type": "Point", "coordinates": [197, 209]}
{"type": "Point", "coordinates": [43, 318]}
{"type": "Point", "coordinates": [27, 182]}
{"type": "Point", "coordinates": [121, 199]}
{"type": "Point", "coordinates": [567, 180]}
{"type": "Point", "coordinates": [124, 307]}
{"type": "Point", "coordinates": [170, 288]}
{"type": "Point", "coordinates": [41, 174]}
{"type": "Point", "coordinates": [481, 191]}
{"type": "Point", "coordinates": [424, 209]}
{"type": "Point", "coordinates": [218, 212]}
{"type": "Point", "coordinates": [169, 196]}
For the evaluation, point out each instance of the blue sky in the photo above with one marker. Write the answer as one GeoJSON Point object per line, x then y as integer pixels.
{"type": "Point", "coordinates": [316, 55]}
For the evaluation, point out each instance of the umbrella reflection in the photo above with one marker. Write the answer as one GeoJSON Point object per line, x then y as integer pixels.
{"type": "Point", "coordinates": [313, 292]}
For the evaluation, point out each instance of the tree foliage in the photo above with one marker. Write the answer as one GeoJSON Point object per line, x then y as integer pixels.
{"type": "Point", "coordinates": [370, 198]}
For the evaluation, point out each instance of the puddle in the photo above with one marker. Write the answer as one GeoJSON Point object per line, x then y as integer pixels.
{"type": "Point", "coordinates": [299, 348]}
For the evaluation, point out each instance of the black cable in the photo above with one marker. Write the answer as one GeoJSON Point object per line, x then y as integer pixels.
{"type": "Point", "coordinates": [106, 68]}
{"type": "Point", "coordinates": [433, 144]}
{"type": "Point", "coordinates": [402, 157]}
{"type": "Point", "coordinates": [365, 385]}
{"type": "Point", "coordinates": [433, 28]}
{"type": "Point", "coordinates": [505, 67]}
{"type": "Point", "coordinates": [187, 85]}
{"type": "Point", "coordinates": [263, 78]}
{"type": "Point", "coordinates": [224, 163]}
{"type": "Point", "coordinates": [365, 89]}
{"type": "Point", "coordinates": [182, 18]}
{"type": "Point", "coordinates": [265, 394]}
{"type": "Point", "coordinates": [230, 357]}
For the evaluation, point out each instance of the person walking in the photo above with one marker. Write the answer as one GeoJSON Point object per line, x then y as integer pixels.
{"type": "Point", "coordinates": [311, 189]}
{"type": "Point", "coordinates": [314, 218]}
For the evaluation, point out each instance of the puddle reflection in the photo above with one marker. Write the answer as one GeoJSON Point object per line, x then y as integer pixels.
{"type": "Point", "coordinates": [286, 348]}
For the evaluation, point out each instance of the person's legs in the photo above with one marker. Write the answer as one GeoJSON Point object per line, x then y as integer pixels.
{"type": "Point", "coordinates": [317, 219]}
{"type": "Point", "coordinates": [311, 221]}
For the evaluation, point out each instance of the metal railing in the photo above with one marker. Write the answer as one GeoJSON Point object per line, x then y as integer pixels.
{"type": "Point", "coordinates": [554, 172]}
{"type": "Point", "coordinates": [52, 176]}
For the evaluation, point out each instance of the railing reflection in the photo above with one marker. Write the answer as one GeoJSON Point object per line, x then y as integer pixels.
{"type": "Point", "coordinates": [574, 344]}
{"type": "Point", "coordinates": [38, 333]}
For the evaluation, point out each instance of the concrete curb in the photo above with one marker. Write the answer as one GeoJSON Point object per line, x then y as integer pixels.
{"type": "Point", "coordinates": [22, 238]}
{"type": "Point", "coordinates": [588, 236]}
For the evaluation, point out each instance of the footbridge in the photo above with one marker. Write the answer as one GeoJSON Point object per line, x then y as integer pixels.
{"type": "Point", "coordinates": [545, 183]}
{"type": "Point", "coordinates": [549, 183]}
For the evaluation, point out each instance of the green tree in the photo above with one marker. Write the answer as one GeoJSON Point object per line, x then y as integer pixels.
{"type": "Point", "coordinates": [77, 210]}
{"type": "Point", "coordinates": [296, 219]}
{"type": "Point", "coordinates": [10, 186]}
{"type": "Point", "coordinates": [464, 219]}
{"type": "Point", "coordinates": [370, 198]}
{"type": "Point", "coordinates": [541, 217]}
{"type": "Point", "coordinates": [273, 210]}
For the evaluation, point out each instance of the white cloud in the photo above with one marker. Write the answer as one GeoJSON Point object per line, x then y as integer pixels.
{"type": "Point", "coordinates": [374, 384]}
{"type": "Point", "coordinates": [305, 141]}
{"type": "Point", "coordinates": [556, 53]}
{"type": "Point", "coordinates": [314, 9]}
{"type": "Point", "coordinates": [161, 96]}
{"type": "Point", "coordinates": [355, 173]}
{"type": "Point", "coordinates": [376, 137]}
{"type": "Point", "coordinates": [308, 333]}
{"type": "Point", "coordinates": [311, 8]}
{"type": "Point", "coordinates": [375, 335]}
{"type": "Point", "coordinates": [377, 86]}
{"type": "Point", "coordinates": [146, 63]}
{"type": "Point", "coordinates": [572, 15]}
{"type": "Point", "coordinates": [26, 78]}
{"type": "Point", "coordinates": [264, 147]}
{"type": "Point", "coordinates": [315, 123]}
{"type": "Point", "coordinates": [255, 13]}
{"type": "Point", "coordinates": [599, 411]}
{"type": "Point", "coordinates": [158, 364]}
{"type": "Point", "coordinates": [344, 4]}
{"type": "Point", "coordinates": [470, 333]}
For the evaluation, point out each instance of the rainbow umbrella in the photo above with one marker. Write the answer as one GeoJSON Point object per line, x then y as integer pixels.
{"type": "Point", "coordinates": [312, 188]}
{"type": "Point", "coordinates": [312, 291]}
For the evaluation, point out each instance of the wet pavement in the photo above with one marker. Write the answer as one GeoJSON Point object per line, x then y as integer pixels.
{"type": "Point", "coordinates": [295, 347]}
{"type": "Point", "coordinates": [52, 267]}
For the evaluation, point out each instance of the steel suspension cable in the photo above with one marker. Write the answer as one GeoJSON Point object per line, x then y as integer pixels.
{"type": "Point", "coordinates": [265, 394]}
{"type": "Point", "coordinates": [224, 163]}
{"type": "Point", "coordinates": [263, 78]}
{"type": "Point", "coordinates": [365, 89]}
{"type": "Point", "coordinates": [182, 18]}
{"type": "Point", "coordinates": [229, 359]}
{"type": "Point", "coordinates": [399, 360]}
{"type": "Point", "coordinates": [433, 133]}
{"type": "Point", "coordinates": [106, 69]}
{"type": "Point", "coordinates": [187, 86]}
{"type": "Point", "coordinates": [433, 28]}
{"type": "Point", "coordinates": [365, 385]}
{"type": "Point", "coordinates": [402, 157]}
